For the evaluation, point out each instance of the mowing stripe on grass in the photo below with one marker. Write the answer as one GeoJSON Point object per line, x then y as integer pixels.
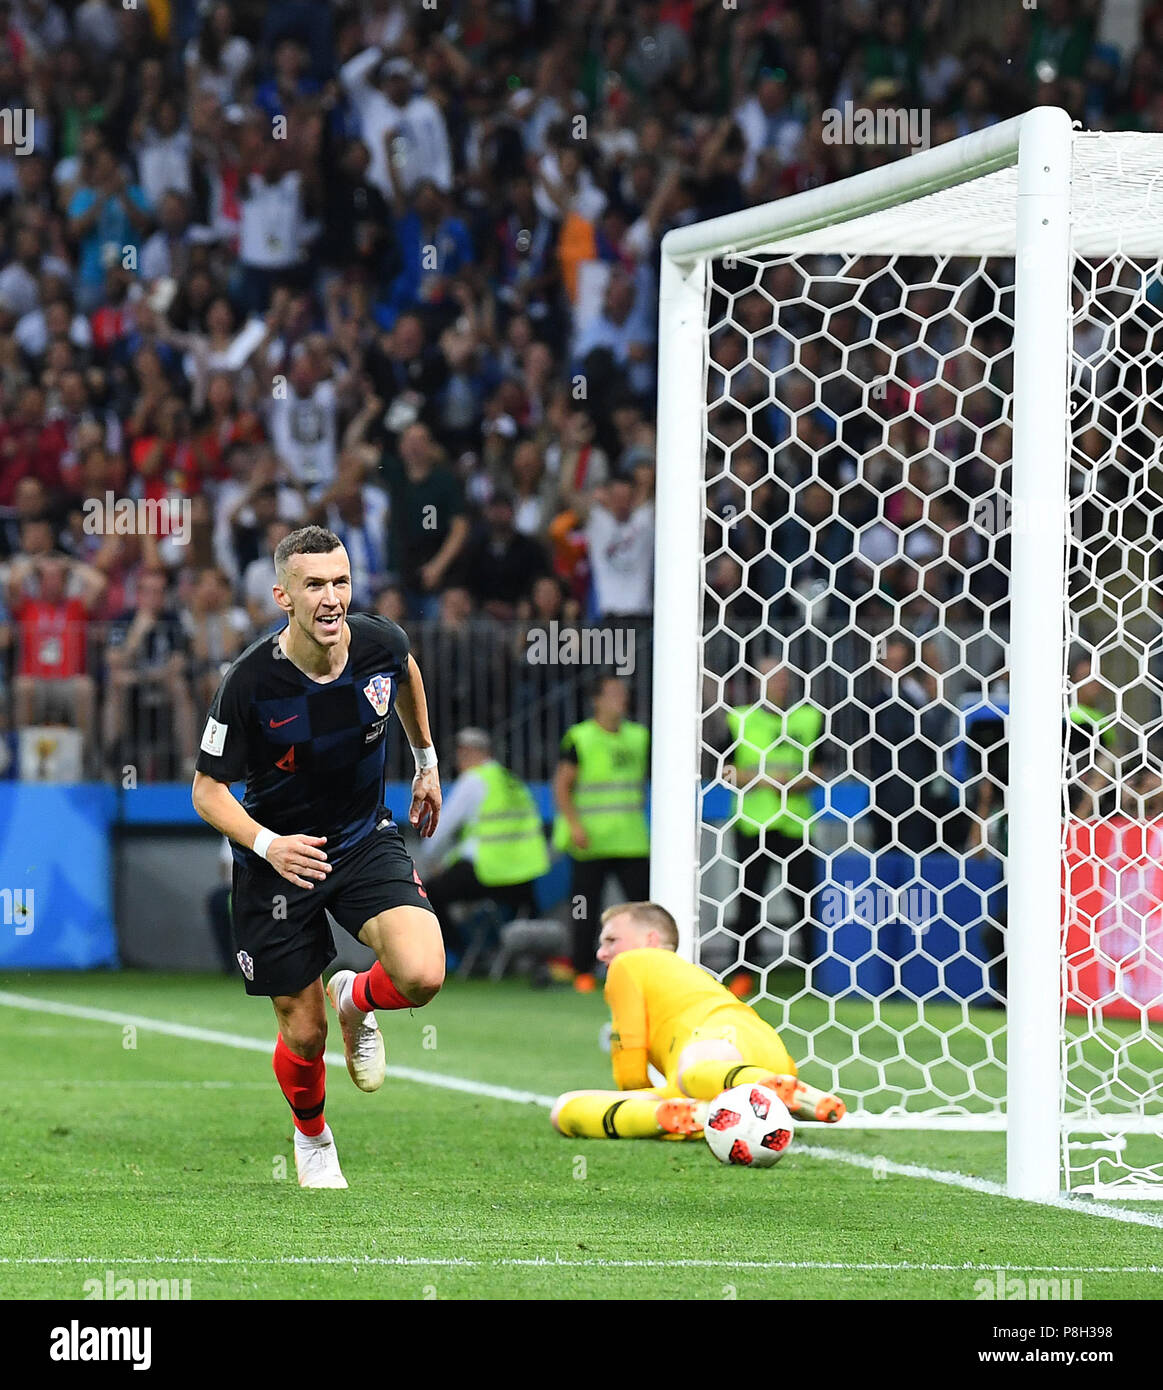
{"type": "Point", "coordinates": [71, 1084]}
{"type": "Point", "coordinates": [982, 1186]}
{"type": "Point", "coordinates": [538, 1261]}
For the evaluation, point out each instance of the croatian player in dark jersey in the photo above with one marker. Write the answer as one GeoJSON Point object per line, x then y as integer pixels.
{"type": "Point", "coordinates": [302, 716]}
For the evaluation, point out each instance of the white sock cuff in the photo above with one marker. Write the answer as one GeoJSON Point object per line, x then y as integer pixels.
{"type": "Point", "coordinates": [314, 1141]}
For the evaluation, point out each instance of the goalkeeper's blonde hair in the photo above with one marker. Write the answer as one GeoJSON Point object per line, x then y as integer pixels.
{"type": "Point", "coordinates": [648, 915]}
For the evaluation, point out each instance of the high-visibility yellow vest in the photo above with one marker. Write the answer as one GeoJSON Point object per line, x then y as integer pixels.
{"type": "Point", "coordinates": [506, 836]}
{"type": "Point", "coordinates": [767, 740]}
{"type": "Point", "coordinates": [610, 791]}
{"type": "Point", "coordinates": [1100, 722]}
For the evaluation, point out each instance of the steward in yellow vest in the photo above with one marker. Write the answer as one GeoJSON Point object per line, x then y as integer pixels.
{"type": "Point", "coordinates": [771, 752]}
{"type": "Point", "coordinates": [490, 838]}
{"type": "Point", "coordinates": [600, 792]}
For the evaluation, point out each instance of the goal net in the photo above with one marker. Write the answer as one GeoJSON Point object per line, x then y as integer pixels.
{"type": "Point", "coordinates": [908, 648]}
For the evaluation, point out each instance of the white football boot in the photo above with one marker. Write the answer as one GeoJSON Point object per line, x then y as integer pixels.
{"type": "Point", "coordinates": [317, 1161]}
{"type": "Point", "coordinates": [363, 1043]}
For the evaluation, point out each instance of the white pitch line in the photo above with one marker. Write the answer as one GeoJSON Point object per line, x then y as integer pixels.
{"type": "Point", "coordinates": [985, 1186]}
{"type": "Point", "coordinates": [965, 1181]}
{"type": "Point", "coordinates": [536, 1262]}
{"type": "Point", "coordinates": [240, 1041]}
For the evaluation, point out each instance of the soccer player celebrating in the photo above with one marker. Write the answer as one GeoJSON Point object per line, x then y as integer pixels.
{"type": "Point", "coordinates": [303, 715]}
{"type": "Point", "coordinates": [670, 1014]}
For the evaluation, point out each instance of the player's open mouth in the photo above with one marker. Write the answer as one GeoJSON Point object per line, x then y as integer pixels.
{"type": "Point", "coordinates": [331, 622]}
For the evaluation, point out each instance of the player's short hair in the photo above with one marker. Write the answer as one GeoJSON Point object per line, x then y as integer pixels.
{"type": "Point", "coordinates": [307, 540]}
{"type": "Point", "coordinates": [647, 916]}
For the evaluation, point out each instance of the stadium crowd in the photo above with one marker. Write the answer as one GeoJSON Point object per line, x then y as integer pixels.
{"type": "Point", "coordinates": [394, 269]}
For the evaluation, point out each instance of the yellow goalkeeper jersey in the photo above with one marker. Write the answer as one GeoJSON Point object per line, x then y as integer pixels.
{"type": "Point", "coordinates": [657, 1002]}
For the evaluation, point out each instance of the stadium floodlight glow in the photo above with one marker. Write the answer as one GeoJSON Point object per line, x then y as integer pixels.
{"type": "Point", "coordinates": [994, 301]}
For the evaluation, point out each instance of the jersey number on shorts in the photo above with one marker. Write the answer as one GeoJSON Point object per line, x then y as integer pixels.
{"type": "Point", "coordinates": [287, 761]}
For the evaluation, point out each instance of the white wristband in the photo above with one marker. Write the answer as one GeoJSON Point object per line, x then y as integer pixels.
{"type": "Point", "coordinates": [262, 842]}
{"type": "Point", "coordinates": [425, 758]}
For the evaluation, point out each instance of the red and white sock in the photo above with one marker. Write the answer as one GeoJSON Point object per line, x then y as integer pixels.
{"type": "Point", "coordinates": [373, 989]}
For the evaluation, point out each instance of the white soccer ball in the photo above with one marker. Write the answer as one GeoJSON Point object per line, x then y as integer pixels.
{"type": "Point", "coordinates": [749, 1125]}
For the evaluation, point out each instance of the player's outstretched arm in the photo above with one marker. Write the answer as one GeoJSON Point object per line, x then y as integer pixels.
{"type": "Point", "coordinates": [412, 707]}
{"type": "Point", "coordinates": [630, 1031]}
{"type": "Point", "coordinates": [299, 859]}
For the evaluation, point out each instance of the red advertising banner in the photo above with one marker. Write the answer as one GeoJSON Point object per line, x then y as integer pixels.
{"type": "Point", "coordinates": [1112, 915]}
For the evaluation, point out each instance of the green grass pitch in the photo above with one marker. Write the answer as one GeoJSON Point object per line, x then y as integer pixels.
{"type": "Point", "coordinates": [144, 1155]}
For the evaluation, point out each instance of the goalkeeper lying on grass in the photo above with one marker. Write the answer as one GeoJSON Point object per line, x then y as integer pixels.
{"type": "Point", "coordinates": [673, 1015]}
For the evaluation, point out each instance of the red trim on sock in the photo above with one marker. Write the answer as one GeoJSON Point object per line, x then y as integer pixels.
{"type": "Point", "coordinates": [374, 990]}
{"type": "Point", "coordinates": [303, 1082]}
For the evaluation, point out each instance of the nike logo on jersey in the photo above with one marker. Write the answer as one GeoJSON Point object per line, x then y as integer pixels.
{"type": "Point", "coordinates": [278, 723]}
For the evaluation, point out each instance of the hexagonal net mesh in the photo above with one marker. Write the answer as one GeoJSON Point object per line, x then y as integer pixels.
{"type": "Point", "coordinates": [857, 533]}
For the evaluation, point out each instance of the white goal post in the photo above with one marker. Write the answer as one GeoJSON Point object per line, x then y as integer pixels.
{"type": "Point", "coordinates": [778, 326]}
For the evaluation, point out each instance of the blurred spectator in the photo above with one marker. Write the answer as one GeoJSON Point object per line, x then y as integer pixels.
{"type": "Point", "coordinates": [499, 563]}
{"type": "Point", "coordinates": [620, 539]}
{"type": "Point", "coordinates": [599, 789]}
{"type": "Point", "coordinates": [358, 230]}
{"type": "Point", "coordinates": [167, 252]}
{"type": "Point", "coordinates": [31, 445]}
{"type": "Point", "coordinates": [1089, 734]}
{"type": "Point", "coordinates": [429, 527]}
{"type": "Point", "coordinates": [216, 630]}
{"type": "Point", "coordinates": [619, 341]}
{"type": "Point", "coordinates": [403, 129]}
{"type": "Point", "coordinates": [30, 500]}
{"type": "Point", "coordinates": [273, 228]}
{"type": "Point", "coordinates": [357, 512]}
{"type": "Point", "coordinates": [258, 579]}
{"type": "Point", "coordinates": [434, 247]}
{"type": "Point", "coordinates": [146, 673]}
{"type": "Point", "coordinates": [162, 150]}
{"type": "Point", "coordinates": [1061, 36]}
{"type": "Point", "coordinates": [534, 493]}
{"type": "Point", "coordinates": [20, 278]}
{"type": "Point", "coordinates": [577, 464]}
{"type": "Point", "coordinates": [108, 215]}
{"type": "Point", "coordinates": [218, 58]}
{"type": "Point", "coordinates": [52, 679]}
{"type": "Point", "coordinates": [767, 123]}
{"type": "Point", "coordinates": [53, 322]}
{"type": "Point", "coordinates": [303, 419]}
{"type": "Point", "coordinates": [773, 751]}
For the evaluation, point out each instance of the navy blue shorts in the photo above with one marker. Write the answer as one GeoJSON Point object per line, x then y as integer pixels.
{"type": "Point", "coordinates": [282, 938]}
